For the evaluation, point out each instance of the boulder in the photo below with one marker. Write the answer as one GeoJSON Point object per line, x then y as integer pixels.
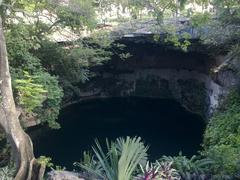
{"type": "Point", "coordinates": [63, 175]}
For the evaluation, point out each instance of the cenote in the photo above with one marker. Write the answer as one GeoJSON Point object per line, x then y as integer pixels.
{"type": "Point", "coordinates": [164, 125]}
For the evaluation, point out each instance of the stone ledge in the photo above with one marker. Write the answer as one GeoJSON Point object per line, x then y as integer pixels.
{"type": "Point", "coordinates": [63, 175]}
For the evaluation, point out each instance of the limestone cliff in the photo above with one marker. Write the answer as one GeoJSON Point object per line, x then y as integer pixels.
{"type": "Point", "coordinates": [160, 71]}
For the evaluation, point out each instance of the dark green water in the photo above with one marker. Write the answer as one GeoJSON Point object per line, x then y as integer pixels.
{"type": "Point", "coordinates": [163, 124]}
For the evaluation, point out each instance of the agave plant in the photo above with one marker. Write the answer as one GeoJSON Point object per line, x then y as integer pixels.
{"type": "Point", "coordinates": [120, 161]}
{"type": "Point", "coordinates": [167, 172]}
{"type": "Point", "coordinates": [159, 171]}
{"type": "Point", "coordinates": [150, 171]}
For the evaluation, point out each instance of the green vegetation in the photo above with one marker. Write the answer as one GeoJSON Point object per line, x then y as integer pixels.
{"type": "Point", "coordinates": [31, 49]}
{"type": "Point", "coordinates": [7, 172]}
{"type": "Point", "coordinates": [162, 170]}
{"type": "Point", "coordinates": [219, 159]}
{"type": "Point", "coordinates": [42, 69]}
{"type": "Point", "coordinates": [46, 74]}
{"type": "Point", "coordinates": [30, 94]}
{"type": "Point", "coordinates": [127, 159]}
{"type": "Point", "coordinates": [36, 90]}
{"type": "Point", "coordinates": [222, 138]}
{"type": "Point", "coordinates": [72, 65]}
{"type": "Point", "coordinates": [120, 160]}
{"type": "Point", "coordinates": [46, 161]}
{"type": "Point", "coordinates": [193, 168]}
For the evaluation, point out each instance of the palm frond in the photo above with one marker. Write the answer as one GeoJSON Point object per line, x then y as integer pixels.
{"type": "Point", "coordinates": [121, 159]}
{"type": "Point", "coordinates": [132, 152]}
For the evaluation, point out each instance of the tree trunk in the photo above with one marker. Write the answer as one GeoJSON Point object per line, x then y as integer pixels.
{"type": "Point", "coordinates": [22, 150]}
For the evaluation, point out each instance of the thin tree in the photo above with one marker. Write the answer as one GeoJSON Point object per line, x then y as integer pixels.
{"type": "Point", "coordinates": [21, 145]}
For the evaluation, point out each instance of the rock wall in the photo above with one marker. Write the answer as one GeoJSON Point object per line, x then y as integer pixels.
{"type": "Point", "coordinates": [195, 91]}
{"type": "Point", "coordinates": [158, 71]}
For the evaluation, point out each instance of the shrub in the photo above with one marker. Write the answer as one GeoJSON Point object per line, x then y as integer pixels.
{"type": "Point", "coordinates": [222, 138]}
{"type": "Point", "coordinates": [161, 171]}
{"type": "Point", "coordinates": [30, 93]}
{"type": "Point", "coordinates": [193, 168]}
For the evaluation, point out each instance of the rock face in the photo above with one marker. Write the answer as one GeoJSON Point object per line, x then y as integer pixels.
{"type": "Point", "coordinates": [63, 175]}
{"type": "Point", "coordinates": [195, 91]}
{"type": "Point", "coordinates": [160, 72]}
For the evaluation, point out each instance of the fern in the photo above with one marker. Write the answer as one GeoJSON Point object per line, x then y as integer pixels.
{"type": "Point", "coordinates": [7, 173]}
{"type": "Point", "coordinates": [30, 93]}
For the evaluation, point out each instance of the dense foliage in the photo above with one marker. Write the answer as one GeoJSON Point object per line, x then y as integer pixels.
{"type": "Point", "coordinates": [41, 68]}
{"type": "Point", "coordinates": [30, 94]}
{"type": "Point", "coordinates": [36, 90]}
{"type": "Point", "coordinates": [109, 164]}
{"type": "Point", "coordinates": [218, 160]}
{"type": "Point", "coordinates": [31, 49]}
{"type": "Point", "coordinates": [222, 139]}
{"type": "Point", "coordinates": [72, 64]}
{"type": "Point", "coordinates": [193, 168]}
{"type": "Point", "coordinates": [125, 159]}
{"type": "Point", "coordinates": [45, 72]}
{"type": "Point", "coordinates": [223, 27]}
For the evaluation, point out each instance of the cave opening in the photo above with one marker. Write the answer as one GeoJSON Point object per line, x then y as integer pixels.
{"type": "Point", "coordinates": [163, 124]}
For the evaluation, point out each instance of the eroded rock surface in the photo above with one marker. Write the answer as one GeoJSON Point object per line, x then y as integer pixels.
{"type": "Point", "coordinates": [63, 175]}
{"type": "Point", "coordinates": [195, 79]}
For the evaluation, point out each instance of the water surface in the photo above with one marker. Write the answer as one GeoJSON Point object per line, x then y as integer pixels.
{"type": "Point", "coordinates": [163, 124]}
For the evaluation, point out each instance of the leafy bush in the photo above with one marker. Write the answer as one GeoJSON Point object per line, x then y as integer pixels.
{"type": "Point", "coordinates": [30, 93]}
{"type": "Point", "coordinates": [222, 138]}
{"type": "Point", "coordinates": [45, 161]}
{"type": "Point", "coordinates": [193, 168]}
{"type": "Point", "coordinates": [20, 42]}
{"type": "Point", "coordinates": [200, 19]}
{"type": "Point", "coordinates": [35, 90]}
{"type": "Point", "coordinates": [40, 95]}
{"type": "Point", "coordinates": [48, 113]}
{"type": "Point", "coordinates": [72, 62]}
{"type": "Point", "coordinates": [161, 171]}
{"type": "Point", "coordinates": [150, 171]}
